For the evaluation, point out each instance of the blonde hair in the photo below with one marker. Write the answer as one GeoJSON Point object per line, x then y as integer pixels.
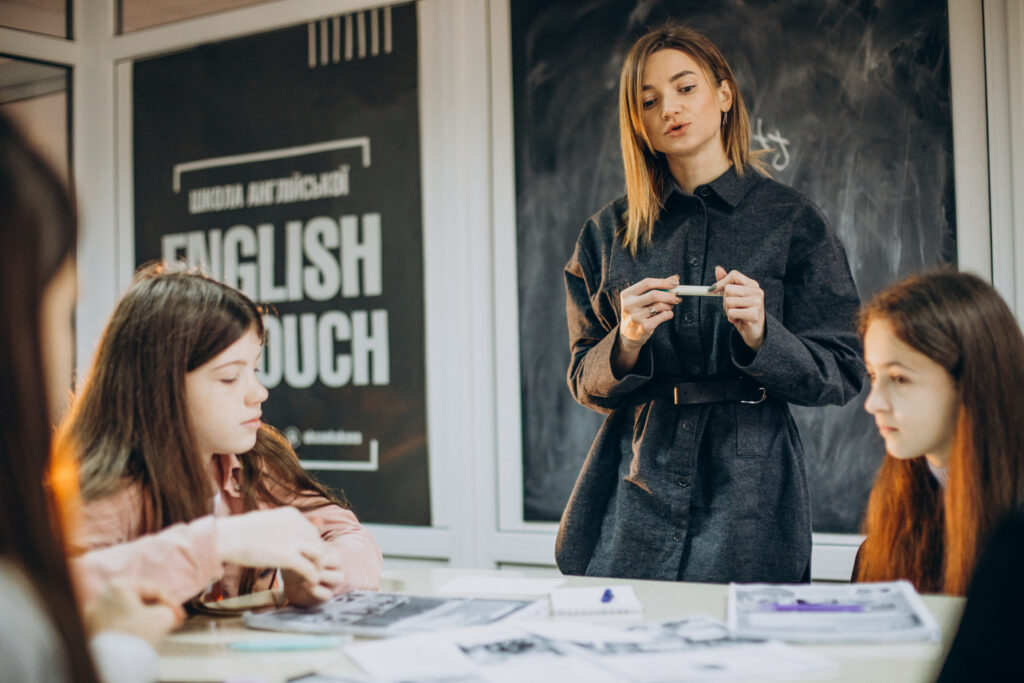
{"type": "Point", "coordinates": [646, 170]}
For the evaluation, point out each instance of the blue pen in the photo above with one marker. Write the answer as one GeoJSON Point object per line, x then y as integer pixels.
{"type": "Point", "coordinates": [607, 595]}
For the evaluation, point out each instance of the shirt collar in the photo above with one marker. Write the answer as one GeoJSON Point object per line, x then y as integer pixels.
{"type": "Point", "coordinates": [940, 473]}
{"type": "Point", "coordinates": [226, 470]}
{"type": "Point", "coordinates": [730, 187]}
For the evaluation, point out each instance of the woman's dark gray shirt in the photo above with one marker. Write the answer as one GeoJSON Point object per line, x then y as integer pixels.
{"type": "Point", "coordinates": [717, 491]}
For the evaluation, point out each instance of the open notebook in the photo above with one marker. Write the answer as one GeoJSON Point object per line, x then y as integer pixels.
{"type": "Point", "coordinates": [594, 600]}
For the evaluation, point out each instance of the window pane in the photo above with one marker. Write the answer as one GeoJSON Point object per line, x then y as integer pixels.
{"type": "Point", "coordinates": [39, 16]}
{"type": "Point", "coordinates": [136, 14]}
{"type": "Point", "coordinates": [34, 96]}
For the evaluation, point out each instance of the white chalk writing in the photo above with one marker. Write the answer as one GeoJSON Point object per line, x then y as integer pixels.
{"type": "Point", "coordinates": [780, 160]}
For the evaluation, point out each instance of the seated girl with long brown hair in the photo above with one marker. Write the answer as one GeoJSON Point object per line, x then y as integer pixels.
{"type": "Point", "coordinates": [172, 396]}
{"type": "Point", "coordinates": [946, 361]}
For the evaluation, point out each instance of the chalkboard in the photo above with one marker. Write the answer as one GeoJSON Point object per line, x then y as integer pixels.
{"type": "Point", "coordinates": [853, 97]}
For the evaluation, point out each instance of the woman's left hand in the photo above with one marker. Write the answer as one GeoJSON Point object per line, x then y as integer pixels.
{"type": "Point", "coordinates": [744, 305]}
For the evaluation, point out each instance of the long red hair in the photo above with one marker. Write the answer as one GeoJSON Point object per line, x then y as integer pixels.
{"type": "Point", "coordinates": [917, 529]}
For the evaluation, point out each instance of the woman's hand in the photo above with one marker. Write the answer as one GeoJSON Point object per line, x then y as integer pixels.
{"type": "Point", "coordinates": [743, 302]}
{"type": "Point", "coordinates": [280, 537]}
{"type": "Point", "coordinates": [333, 580]}
{"type": "Point", "coordinates": [133, 606]}
{"type": "Point", "coordinates": [644, 306]}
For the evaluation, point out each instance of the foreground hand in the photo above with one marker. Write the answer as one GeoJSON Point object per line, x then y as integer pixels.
{"type": "Point", "coordinates": [135, 607]}
{"type": "Point", "coordinates": [303, 593]}
{"type": "Point", "coordinates": [281, 537]}
{"type": "Point", "coordinates": [645, 306]}
{"type": "Point", "coordinates": [744, 305]}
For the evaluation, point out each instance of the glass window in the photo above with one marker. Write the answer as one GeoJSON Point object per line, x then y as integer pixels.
{"type": "Point", "coordinates": [52, 17]}
{"type": "Point", "coordinates": [137, 14]}
{"type": "Point", "coordinates": [34, 96]}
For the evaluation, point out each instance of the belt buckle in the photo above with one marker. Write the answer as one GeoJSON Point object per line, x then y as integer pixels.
{"type": "Point", "coordinates": [764, 395]}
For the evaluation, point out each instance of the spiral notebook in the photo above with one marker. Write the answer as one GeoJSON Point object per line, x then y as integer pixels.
{"type": "Point", "coordinates": [576, 600]}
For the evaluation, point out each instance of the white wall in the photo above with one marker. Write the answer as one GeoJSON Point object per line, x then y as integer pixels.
{"type": "Point", "coordinates": [469, 228]}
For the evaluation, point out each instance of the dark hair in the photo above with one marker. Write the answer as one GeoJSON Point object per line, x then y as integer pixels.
{"type": "Point", "coordinates": [915, 530]}
{"type": "Point", "coordinates": [129, 424]}
{"type": "Point", "coordinates": [38, 228]}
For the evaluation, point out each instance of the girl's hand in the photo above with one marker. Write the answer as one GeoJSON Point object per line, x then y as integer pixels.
{"type": "Point", "coordinates": [333, 580]}
{"type": "Point", "coordinates": [134, 606]}
{"type": "Point", "coordinates": [744, 305]}
{"type": "Point", "coordinates": [644, 306]}
{"type": "Point", "coordinates": [281, 537]}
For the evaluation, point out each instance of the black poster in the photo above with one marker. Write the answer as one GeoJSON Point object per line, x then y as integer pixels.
{"type": "Point", "coordinates": [851, 103]}
{"type": "Point", "coordinates": [287, 164]}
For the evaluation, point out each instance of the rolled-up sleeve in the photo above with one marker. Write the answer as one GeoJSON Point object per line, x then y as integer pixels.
{"type": "Point", "coordinates": [592, 337]}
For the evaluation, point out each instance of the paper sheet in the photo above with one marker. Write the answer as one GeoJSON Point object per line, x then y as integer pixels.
{"type": "Point", "coordinates": [859, 612]}
{"type": "Point", "coordinates": [697, 649]}
{"type": "Point", "coordinates": [376, 613]}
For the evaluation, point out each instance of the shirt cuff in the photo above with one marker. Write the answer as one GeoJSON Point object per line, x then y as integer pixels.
{"type": "Point", "coordinates": [605, 383]}
{"type": "Point", "coordinates": [758, 365]}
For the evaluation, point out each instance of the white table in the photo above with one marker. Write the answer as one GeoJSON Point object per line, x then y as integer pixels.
{"type": "Point", "coordinates": [198, 651]}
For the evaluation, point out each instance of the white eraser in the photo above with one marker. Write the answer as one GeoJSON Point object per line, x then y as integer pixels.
{"type": "Point", "coordinates": [693, 290]}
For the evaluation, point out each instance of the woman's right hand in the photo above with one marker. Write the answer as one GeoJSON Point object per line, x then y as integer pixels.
{"type": "Point", "coordinates": [644, 306]}
{"type": "Point", "coordinates": [280, 538]}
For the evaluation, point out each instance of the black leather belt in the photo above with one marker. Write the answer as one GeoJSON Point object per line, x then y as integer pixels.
{"type": "Point", "coordinates": [707, 391]}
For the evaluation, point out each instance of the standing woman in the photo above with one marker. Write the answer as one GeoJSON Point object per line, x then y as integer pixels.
{"type": "Point", "coordinates": [697, 473]}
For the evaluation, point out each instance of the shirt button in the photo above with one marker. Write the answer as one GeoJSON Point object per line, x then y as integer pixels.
{"type": "Point", "coordinates": [694, 369]}
{"type": "Point", "coordinates": [694, 261]}
{"type": "Point", "coordinates": [682, 483]}
{"type": "Point", "coordinates": [688, 317]}
{"type": "Point", "coordinates": [688, 425]}
{"type": "Point", "coordinates": [704, 191]}
{"type": "Point", "coordinates": [677, 536]}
